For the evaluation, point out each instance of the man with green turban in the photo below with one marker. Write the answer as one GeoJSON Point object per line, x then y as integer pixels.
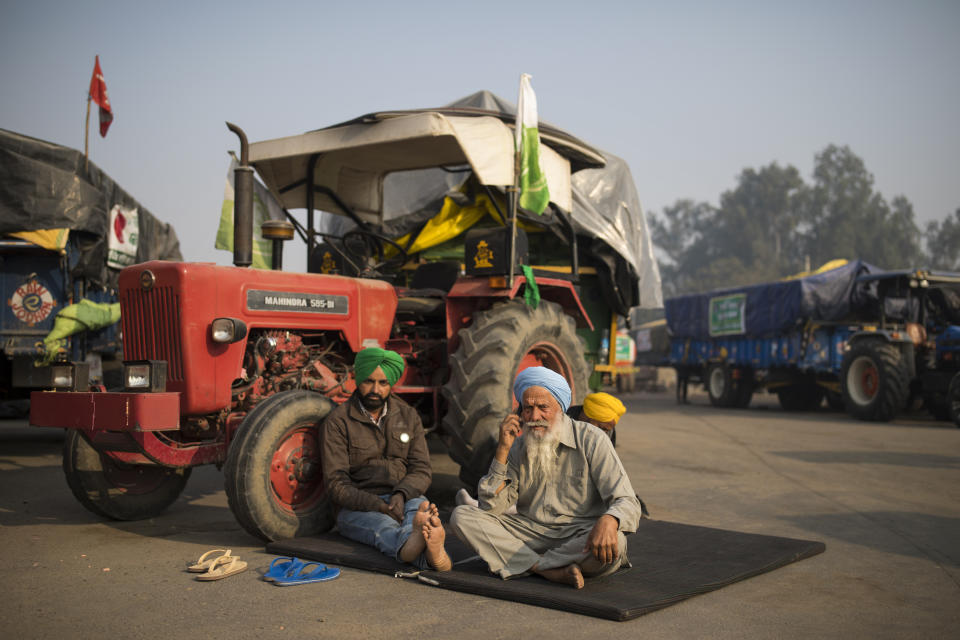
{"type": "Point", "coordinates": [376, 467]}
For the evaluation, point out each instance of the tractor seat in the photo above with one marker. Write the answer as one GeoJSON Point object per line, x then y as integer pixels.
{"type": "Point", "coordinates": [428, 288]}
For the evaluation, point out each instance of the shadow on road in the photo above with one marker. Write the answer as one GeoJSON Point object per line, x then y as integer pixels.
{"type": "Point", "coordinates": [919, 535]}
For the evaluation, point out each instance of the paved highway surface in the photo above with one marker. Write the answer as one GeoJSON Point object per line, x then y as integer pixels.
{"type": "Point", "coordinates": [885, 498]}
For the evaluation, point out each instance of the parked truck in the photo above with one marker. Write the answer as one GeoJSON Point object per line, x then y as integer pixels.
{"type": "Point", "coordinates": [238, 367]}
{"type": "Point", "coordinates": [66, 231]}
{"type": "Point", "coordinates": [869, 341]}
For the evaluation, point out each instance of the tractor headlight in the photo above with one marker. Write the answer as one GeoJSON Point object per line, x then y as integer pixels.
{"type": "Point", "coordinates": [145, 375]}
{"type": "Point", "coordinates": [226, 330]}
{"type": "Point", "coordinates": [70, 376]}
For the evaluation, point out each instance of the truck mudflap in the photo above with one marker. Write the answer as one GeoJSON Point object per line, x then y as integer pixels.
{"type": "Point", "coordinates": [92, 411]}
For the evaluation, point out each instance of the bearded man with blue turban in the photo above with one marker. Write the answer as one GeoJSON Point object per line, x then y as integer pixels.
{"type": "Point", "coordinates": [376, 467]}
{"type": "Point", "coordinates": [574, 501]}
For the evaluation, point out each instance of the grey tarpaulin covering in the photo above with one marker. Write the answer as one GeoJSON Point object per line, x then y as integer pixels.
{"type": "Point", "coordinates": [605, 205]}
{"type": "Point", "coordinates": [604, 201]}
{"type": "Point", "coordinates": [48, 186]}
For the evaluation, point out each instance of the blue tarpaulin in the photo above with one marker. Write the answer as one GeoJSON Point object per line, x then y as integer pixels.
{"type": "Point", "coordinates": [765, 310]}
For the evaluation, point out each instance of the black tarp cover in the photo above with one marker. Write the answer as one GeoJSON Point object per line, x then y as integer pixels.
{"type": "Point", "coordinates": [48, 186]}
{"type": "Point", "coordinates": [774, 307]}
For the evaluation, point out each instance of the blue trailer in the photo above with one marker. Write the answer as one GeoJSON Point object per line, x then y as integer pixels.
{"type": "Point", "coordinates": [868, 340]}
{"type": "Point", "coordinates": [66, 230]}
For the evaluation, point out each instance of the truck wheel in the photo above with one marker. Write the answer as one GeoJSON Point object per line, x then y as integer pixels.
{"type": "Point", "coordinates": [116, 490]}
{"type": "Point", "coordinates": [874, 381]}
{"type": "Point", "coordinates": [953, 399]}
{"type": "Point", "coordinates": [721, 386]}
{"type": "Point", "coordinates": [800, 397]}
{"type": "Point", "coordinates": [501, 342]}
{"type": "Point", "coordinates": [273, 477]}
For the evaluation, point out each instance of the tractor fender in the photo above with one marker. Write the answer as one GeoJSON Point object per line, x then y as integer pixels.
{"type": "Point", "coordinates": [470, 295]}
{"type": "Point", "coordinates": [899, 339]}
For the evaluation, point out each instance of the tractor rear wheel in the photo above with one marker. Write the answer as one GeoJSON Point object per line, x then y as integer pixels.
{"type": "Point", "coordinates": [874, 381]}
{"type": "Point", "coordinates": [273, 474]}
{"type": "Point", "coordinates": [501, 342]}
{"type": "Point", "coordinates": [117, 490]}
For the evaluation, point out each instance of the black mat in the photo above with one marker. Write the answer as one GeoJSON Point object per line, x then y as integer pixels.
{"type": "Point", "coordinates": [672, 562]}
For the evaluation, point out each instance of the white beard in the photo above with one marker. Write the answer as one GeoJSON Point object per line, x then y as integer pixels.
{"type": "Point", "coordinates": [541, 452]}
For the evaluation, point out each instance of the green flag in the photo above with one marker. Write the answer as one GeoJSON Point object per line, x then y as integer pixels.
{"type": "Point", "coordinates": [534, 194]}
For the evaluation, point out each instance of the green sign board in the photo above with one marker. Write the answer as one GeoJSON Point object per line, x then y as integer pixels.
{"type": "Point", "coordinates": [728, 314]}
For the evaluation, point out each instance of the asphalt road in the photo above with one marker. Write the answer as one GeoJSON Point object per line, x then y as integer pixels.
{"type": "Point", "coordinates": [884, 498]}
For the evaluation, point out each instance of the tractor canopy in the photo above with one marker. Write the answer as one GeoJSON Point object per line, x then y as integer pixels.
{"type": "Point", "coordinates": [424, 176]}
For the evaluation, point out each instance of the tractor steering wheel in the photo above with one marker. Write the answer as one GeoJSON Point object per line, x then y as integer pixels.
{"type": "Point", "coordinates": [369, 247]}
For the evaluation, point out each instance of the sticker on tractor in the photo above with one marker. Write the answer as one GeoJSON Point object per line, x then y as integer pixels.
{"type": "Point", "coordinates": [31, 303]}
{"type": "Point", "coordinates": [483, 256]}
{"type": "Point", "coordinates": [260, 300]}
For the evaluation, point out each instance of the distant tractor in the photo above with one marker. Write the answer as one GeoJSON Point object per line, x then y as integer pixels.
{"type": "Point", "coordinates": [237, 367]}
{"type": "Point", "coordinates": [867, 340]}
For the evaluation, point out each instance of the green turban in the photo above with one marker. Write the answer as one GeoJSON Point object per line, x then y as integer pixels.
{"type": "Point", "coordinates": [369, 359]}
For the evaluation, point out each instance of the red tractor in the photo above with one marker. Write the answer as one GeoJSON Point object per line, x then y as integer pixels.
{"type": "Point", "coordinates": [236, 367]}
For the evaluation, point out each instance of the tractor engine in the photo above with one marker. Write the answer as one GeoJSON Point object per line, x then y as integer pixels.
{"type": "Point", "coordinates": [278, 360]}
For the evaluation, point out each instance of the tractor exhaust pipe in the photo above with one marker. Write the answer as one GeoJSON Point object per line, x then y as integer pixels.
{"type": "Point", "coordinates": [242, 204]}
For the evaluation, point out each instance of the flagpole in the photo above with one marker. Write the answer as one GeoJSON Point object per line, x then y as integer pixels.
{"type": "Point", "coordinates": [514, 190]}
{"type": "Point", "coordinates": [86, 138]}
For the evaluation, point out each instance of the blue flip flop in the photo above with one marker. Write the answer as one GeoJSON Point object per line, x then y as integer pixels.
{"type": "Point", "coordinates": [281, 567]}
{"type": "Point", "coordinates": [305, 574]}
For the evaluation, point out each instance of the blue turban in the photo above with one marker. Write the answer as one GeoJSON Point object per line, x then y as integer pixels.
{"type": "Point", "coordinates": [546, 378]}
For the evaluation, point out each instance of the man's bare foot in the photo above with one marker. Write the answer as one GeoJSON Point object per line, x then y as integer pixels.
{"type": "Point", "coordinates": [416, 543]}
{"type": "Point", "coordinates": [434, 534]}
{"type": "Point", "coordinates": [569, 574]}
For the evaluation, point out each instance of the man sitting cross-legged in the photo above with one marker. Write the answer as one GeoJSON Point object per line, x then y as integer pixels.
{"type": "Point", "coordinates": [574, 499]}
{"type": "Point", "coordinates": [376, 467]}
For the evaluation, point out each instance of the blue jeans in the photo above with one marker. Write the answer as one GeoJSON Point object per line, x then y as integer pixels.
{"type": "Point", "coordinates": [380, 530]}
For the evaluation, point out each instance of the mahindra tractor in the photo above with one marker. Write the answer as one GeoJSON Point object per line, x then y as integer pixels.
{"type": "Point", "coordinates": [411, 246]}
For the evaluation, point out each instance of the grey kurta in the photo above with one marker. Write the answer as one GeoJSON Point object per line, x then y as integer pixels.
{"type": "Point", "coordinates": [553, 519]}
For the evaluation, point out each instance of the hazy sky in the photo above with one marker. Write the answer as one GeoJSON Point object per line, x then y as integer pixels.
{"type": "Point", "coordinates": [689, 93]}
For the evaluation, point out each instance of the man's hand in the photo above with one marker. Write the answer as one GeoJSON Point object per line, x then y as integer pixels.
{"type": "Point", "coordinates": [395, 507]}
{"type": "Point", "coordinates": [602, 541]}
{"type": "Point", "coordinates": [509, 431]}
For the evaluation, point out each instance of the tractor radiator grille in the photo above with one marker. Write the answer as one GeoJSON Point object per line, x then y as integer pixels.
{"type": "Point", "coordinates": [151, 328]}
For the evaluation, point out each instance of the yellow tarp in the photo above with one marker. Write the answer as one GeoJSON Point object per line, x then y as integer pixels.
{"type": "Point", "coordinates": [828, 266]}
{"type": "Point", "coordinates": [453, 220]}
{"type": "Point", "coordinates": [53, 239]}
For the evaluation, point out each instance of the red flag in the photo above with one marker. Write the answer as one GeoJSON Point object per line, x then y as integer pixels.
{"type": "Point", "coordinates": [98, 93]}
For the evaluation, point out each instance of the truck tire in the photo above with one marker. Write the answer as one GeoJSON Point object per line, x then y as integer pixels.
{"type": "Point", "coordinates": [721, 387]}
{"type": "Point", "coordinates": [874, 381]}
{"type": "Point", "coordinates": [501, 342]}
{"type": "Point", "coordinates": [273, 476]}
{"type": "Point", "coordinates": [116, 490]}
{"type": "Point", "coordinates": [800, 397]}
{"type": "Point", "coordinates": [953, 399]}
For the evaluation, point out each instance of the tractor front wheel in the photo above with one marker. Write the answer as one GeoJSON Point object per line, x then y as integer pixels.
{"type": "Point", "coordinates": [116, 490]}
{"type": "Point", "coordinates": [273, 474]}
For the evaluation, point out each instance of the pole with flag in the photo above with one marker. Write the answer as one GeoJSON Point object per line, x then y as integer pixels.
{"type": "Point", "coordinates": [98, 94]}
{"type": "Point", "coordinates": [529, 182]}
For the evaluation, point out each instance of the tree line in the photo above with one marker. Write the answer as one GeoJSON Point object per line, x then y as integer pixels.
{"type": "Point", "coordinates": [774, 224]}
